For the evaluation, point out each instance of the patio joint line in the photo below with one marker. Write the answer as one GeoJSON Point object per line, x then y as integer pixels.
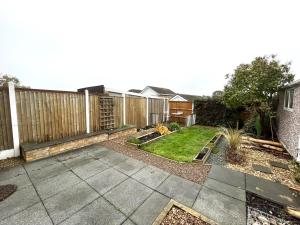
{"type": "Point", "coordinates": [197, 195]}
{"type": "Point", "coordinates": [38, 195]}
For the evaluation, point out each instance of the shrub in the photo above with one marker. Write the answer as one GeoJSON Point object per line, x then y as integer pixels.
{"type": "Point", "coordinates": [174, 126]}
{"type": "Point", "coordinates": [234, 139]}
{"type": "Point", "coordinates": [163, 130]}
{"type": "Point", "coordinates": [134, 140]}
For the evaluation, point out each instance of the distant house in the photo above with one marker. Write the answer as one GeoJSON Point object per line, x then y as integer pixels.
{"type": "Point", "coordinates": [137, 91]}
{"type": "Point", "coordinates": [288, 118]}
{"type": "Point", "coordinates": [158, 91]}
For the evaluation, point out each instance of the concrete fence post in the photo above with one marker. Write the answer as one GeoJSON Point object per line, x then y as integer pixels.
{"type": "Point", "coordinates": [124, 108]}
{"type": "Point", "coordinates": [87, 111]}
{"type": "Point", "coordinates": [14, 118]}
{"type": "Point", "coordinates": [147, 111]}
{"type": "Point", "coordinates": [164, 109]}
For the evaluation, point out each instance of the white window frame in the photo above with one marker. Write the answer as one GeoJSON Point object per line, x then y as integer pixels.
{"type": "Point", "coordinates": [288, 91]}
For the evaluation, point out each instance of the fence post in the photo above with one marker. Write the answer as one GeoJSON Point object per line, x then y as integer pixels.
{"type": "Point", "coordinates": [14, 118]}
{"type": "Point", "coordinates": [124, 108]}
{"type": "Point", "coordinates": [147, 111]}
{"type": "Point", "coordinates": [164, 109]}
{"type": "Point", "coordinates": [87, 111]}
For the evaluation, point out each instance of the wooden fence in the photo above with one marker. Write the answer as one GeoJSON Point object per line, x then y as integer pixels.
{"type": "Point", "coordinates": [49, 115]}
{"type": "Point", "coordinates": [6, 140]}
{"type": "Point", "coordinates": [46, 115]}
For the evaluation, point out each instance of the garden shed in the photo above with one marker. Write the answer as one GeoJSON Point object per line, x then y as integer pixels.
{"type": "Point", "coordinates": [181, 108]}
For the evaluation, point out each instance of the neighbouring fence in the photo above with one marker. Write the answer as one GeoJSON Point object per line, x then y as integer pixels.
{"type": "Point", "coordinates": [46, 115]}
{"type": "Point", "coordinates": [6, 140]}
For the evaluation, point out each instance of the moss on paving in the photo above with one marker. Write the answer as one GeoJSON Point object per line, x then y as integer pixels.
{"type": "Point", "coordinates": [182, 146]}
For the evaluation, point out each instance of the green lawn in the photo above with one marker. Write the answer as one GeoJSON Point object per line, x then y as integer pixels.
{"type": "Point", "coordinates": [182, 146]}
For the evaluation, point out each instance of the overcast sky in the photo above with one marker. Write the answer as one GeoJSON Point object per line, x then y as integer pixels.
{"type": "Point", "coordinates": [187, 46]}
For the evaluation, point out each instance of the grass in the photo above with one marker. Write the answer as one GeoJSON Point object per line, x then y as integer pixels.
{"type": "Point", "coordinates": [182, 146]}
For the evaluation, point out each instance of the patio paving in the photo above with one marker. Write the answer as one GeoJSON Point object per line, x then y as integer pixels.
{"type": "Point", "coordinates": [96, 185]}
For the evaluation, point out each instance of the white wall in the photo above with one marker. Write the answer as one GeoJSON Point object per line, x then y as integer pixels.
{"type": "Point", "coordinates": [178, 98]}
{"type": "Point", "coordinates": [149, 92]}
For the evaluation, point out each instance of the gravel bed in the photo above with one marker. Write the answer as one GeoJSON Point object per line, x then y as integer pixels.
{"type": "Point", "coordinates": [177, 216]}
{"type": "Point", "coordinates": [6, 191]}
{"type": "Point", "coordinates": [11, 162]}
{"type": "Point", "coordinates": [196, 172]}
{"type": "Point", "coordinates": [264, 212]}
{"type": "Point", "coordinates": [219, 158]}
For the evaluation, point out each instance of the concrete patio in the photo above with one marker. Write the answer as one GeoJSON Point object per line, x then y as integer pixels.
{"type": "Point", "coordinates": [96, 185]}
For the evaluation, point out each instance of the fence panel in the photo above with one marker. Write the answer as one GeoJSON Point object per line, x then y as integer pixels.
{"type": "Point", "coordinates": [94, 113]}
{"type": "Point", "coordinates": [156, 107]}
{"type": "Point", "coordinates": [49, 115]}
{"type": "Point", "coordinates": [136, 111]}
{"type": "Point", "coordinates": [118, 111]}
{"type": "Point", "coordinates": [6, 139]}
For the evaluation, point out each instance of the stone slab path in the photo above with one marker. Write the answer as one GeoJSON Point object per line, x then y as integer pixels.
{"type": "Point", "coordinates": [99, 186]}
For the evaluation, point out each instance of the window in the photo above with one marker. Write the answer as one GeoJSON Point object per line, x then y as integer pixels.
{"type": "Point", "coordinates": [289, 99]}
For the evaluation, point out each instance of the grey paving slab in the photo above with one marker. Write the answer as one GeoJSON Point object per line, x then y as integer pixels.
{"type": "Point", "coordinates": [11, 172]}
{"type": "Point", "coordinates": [18, 201]}
{"type": "Point", "coordinates": [40, 164]}
{"type": "Point", "coordinates": [227, 176]}
{"type": "Point", "coordinates": [219, 207]}
{"type": "Point", "coordinates": [180, 189]}
{"type": "Point", "coordinates": [151, 176]}
{"type": "Point", "coordinates": [279, 165]}
{"type": "Point", "coordinates": [21, 181]}
{"type": "Point", "coordinates": [100, 152]}
{"type": "Point", "coordinates": [78, 161]}
{"type": "Point", "coordinates": [114, 158]}
{"type": "Point", "coordinates": [68, 202]}
{"type": "Point", "coordinates": [150, 209]}
{"type": "Point", "coordinates": [128, 195]}
{"type": "Point", "coordinates": [34, 215]}
{"type": "Point", "coordinates": [96, 149]}
{"type": "Point", "coordinates": [47, 172]}
{"type": "Point", "coordinates": [130, 166]}
{"type": "Point", "coordinates": [226, 189]}
{"type": "Point", "coordinates": [90, 169]}
{"type": "Point", "coordinates": [261, 168]}
{"type": "Point", "coordinates": [99, 212]}
{"type": "Point", "coordinates": [54, 185]}
{"type": "Point", "coordinates": [106, 180]}
{"type": "Point", "coordinates": [128, 222]}
{"type": "Point", "coordinates": [71, 154]}
{"type": "Point", "coordinates": [275, 192]}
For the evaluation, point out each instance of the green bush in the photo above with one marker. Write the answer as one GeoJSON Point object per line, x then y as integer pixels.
{"type": "Point", "coordinates": [174, 126]}
{"type": "Point", "coordinates": [134, 140]}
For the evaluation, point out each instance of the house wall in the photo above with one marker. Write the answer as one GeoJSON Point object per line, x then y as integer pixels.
{"type": "Point", "coordinates": [289, 123]}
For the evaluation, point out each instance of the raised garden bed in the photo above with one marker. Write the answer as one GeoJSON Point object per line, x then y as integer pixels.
{"type": "Point", "coordinates": [147, 138]}
{"type": "Point", "coordinates": [206, 150]}
{"type": "Point", "coordinates": [176, 213]}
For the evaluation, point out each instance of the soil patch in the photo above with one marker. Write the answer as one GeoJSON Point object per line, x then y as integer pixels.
{"type": "Point", "coordinates": [149, 137]}
{"type": "Point", "coordinates": [6, 191]}
{"type": "Point", "coordinates": [11, 162]}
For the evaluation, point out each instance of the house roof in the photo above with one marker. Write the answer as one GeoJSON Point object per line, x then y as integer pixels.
{"type": "Point", "coordinates": [162, 91]}
{"type": "Point", "coordinates": [135, 90]}
{"type": "Point", "coordinates": [190, 98]}
{"type": "Point", "coordinates": [292, 84]}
